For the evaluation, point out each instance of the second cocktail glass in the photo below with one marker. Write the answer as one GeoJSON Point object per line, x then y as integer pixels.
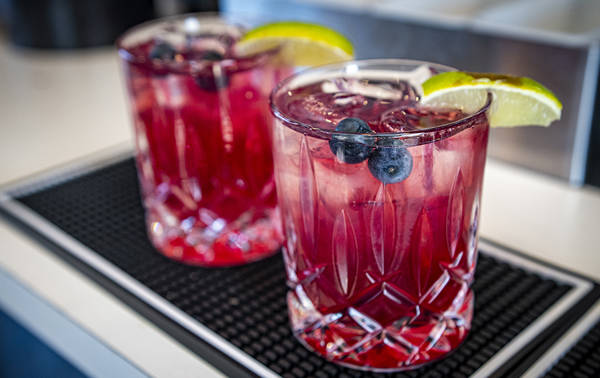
{"type": "Point", "coordinates": [201, 119]}
{"type": "Point", "coordinates": [380, 216]}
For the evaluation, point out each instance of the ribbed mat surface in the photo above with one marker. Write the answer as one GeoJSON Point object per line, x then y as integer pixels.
{"type": "Point", "coordinates": [582, 360]}
{"type": "Point", "coordinates": [246, 305]}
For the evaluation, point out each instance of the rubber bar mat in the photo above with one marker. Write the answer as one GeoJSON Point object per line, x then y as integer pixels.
{"type": "Point", "coordinates": [241, 312]}
{"type": "Point", "coordinates": [582, 360]}
{"type": "Point", "coordinates": [575, 354]}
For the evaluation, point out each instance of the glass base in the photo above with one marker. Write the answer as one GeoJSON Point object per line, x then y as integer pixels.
{"type": "Point", "coordinates": [220, 244]}
{"type": "Point", "coordinates": [352, 339]}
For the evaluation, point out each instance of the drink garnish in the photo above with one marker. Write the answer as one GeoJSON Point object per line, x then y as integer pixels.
{"type": "Point", "coordinates": [517, 101]}
{"type": "Point", "coordinates": [389, 162]}
{"type": "Point", "coordinates": [163, 51]}
{"type": "Point", "coordinates": [214, 56]}
{"type": "Point", "coordinates": [348, 148]}
{"type": "Point", "coordinates": [300, 43]}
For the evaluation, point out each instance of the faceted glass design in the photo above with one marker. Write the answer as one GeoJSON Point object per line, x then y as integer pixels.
{"type": "Point", "coordinates": [202, 126]}
{"type": "Point", "coordinates": [379, 271]}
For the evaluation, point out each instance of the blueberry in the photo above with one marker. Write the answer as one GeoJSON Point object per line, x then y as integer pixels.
{"type": "Point", "coordinates": [211, 55]}
{"type": "Point", "coordinates": [162, 50]}
{"type": "Point", "coordinates": [210, 83]}
{"type": "Point", "coordinates": [390, 162]}
{"type": "Point", "coordinates": [351, 149]}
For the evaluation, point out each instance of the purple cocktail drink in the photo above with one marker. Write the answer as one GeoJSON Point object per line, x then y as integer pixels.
{"type": "Point", "coordinates": [202, 120]}
{"type": "Point", "coordinates": [380, 205]}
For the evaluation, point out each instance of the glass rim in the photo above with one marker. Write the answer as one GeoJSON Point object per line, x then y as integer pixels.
{"type": "Point", "coordinates": [323, 133]}
{"type": "Point", "coordinates": [222, 17]}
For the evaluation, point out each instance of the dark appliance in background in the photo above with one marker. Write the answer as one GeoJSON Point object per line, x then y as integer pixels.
{"type": "Point", "coordinates": [592, 176]}
{"type": "Point", "coordinates": [67, 24]}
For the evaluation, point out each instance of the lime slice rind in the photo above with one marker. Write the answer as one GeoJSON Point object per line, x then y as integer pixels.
{"type": "Point", "coordinates": [516, 102]}
{"type": "Point", "coordinates": [299, 43]}
{"type": "Point", "coordinates": [295, 29]}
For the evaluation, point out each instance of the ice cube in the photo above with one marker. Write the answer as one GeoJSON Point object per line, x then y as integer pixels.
{"type": "Point", "coordinates": [348, 100]}
{"type": "Point", "coordinates": [412, 117]}
{"type": "Point", "coordinates": [374, 89]}
{"type": "Point", "coordinates": [318, 108]}
{"type": "Point", "coordinates": [398, 120]}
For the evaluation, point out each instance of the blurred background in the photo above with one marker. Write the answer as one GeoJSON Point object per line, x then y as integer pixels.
{"type": "Point", "coordinates": [552, 41]}
{"type": "Point", "coordinates": [69, 44]}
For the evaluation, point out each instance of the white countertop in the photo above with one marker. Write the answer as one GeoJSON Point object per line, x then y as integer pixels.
{"type": "Point", "coordinates": [59, 107]}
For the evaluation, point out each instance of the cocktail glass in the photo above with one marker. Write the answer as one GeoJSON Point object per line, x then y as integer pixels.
{"type": "Point", "coordinates": [381, 226]}
{"type": "Point", "coordinates": [202, 129]}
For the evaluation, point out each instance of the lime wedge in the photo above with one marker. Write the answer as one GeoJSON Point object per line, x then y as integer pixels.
{"type": "Point", "coordinates": [301, 44]}
{"type": "Point", "coordinates": [517, 101]}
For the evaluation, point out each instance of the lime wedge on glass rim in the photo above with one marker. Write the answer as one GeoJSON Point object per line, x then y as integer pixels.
{"type": "Point", "coordinates": [300, 43]}
{"type": "Point", "coordinates": [517, 101]}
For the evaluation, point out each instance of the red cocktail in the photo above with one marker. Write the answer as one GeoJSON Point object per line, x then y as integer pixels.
{"type": "Point", "coordinates": [380, 205]}
{"type": "Point", "coordinates": [202, 127]}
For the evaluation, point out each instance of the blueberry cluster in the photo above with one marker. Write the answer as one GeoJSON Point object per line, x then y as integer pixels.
{"type": "Point", "coordinates": [388, 160]}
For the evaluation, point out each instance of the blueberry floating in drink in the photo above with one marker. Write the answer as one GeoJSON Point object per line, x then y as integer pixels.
{"type": "Point", "coordinates": [389, 162]}
{"type": "Point", "coordinates": [163, 51]}
{"type": "Point", "coordinates": [212, 83]}
{"type": "Point", "coordinates": [213, 56]}
{"type": "Point", "coordinates": [351, 149]}
{"type": "Point", "coordinates": [208, 80]}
